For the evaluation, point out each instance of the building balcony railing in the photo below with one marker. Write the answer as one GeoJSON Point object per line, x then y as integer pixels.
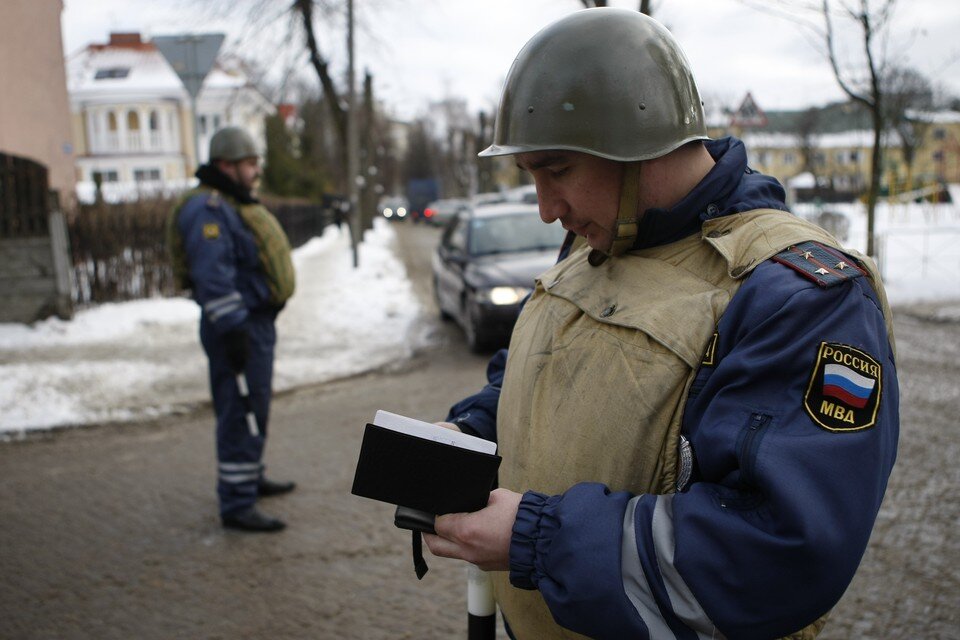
{"type": "Point", "coordinates": [133, 142]}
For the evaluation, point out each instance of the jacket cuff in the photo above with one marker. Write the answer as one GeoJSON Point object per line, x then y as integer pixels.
{"type": "Point", "coordinates": [464, 425]}
{"type": "Point", "coordinates": [532, 533]}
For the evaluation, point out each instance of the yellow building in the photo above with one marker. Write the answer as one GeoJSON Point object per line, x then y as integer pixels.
{"type": "Point", "coordinates": [835, 143]}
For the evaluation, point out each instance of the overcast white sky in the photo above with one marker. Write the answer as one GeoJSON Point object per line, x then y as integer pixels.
{"type": "Point", "coordinates": [420, 50]}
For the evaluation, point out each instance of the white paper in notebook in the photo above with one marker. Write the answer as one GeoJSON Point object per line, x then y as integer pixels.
{"type": "Point", "coordinates": [428, 431]}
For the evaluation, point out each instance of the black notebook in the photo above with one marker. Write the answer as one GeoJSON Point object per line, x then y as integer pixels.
{"type": "Point", "coordinates": [421, 466]}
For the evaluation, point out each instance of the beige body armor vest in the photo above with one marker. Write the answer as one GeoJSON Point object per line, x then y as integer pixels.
{"type": "Point", "coordinates": [600, 363]}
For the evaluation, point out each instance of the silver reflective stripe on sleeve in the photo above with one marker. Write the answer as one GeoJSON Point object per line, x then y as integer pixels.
{"type": "Point", "coordinates": [220, 307]}
{"type": "Point", "coordinates": [635, 581]}
{"type": "Point", "coordinates": [635, 584]}
{"type": "Point", "coordinates": [685, 605]}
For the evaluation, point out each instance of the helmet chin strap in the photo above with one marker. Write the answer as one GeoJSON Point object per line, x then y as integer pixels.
{"type": "Point", "coordinates": [627, 225]}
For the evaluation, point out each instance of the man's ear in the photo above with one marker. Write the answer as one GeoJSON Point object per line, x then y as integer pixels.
{"type": "Point", "coordinates": [225, 167]}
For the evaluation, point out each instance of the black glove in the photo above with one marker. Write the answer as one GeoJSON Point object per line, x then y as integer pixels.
{"type": "Point", "coordinates": [236, 344]}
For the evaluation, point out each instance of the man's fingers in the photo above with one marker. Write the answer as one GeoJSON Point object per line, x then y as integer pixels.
{"type": "Point", "coordinates": [441, 547]}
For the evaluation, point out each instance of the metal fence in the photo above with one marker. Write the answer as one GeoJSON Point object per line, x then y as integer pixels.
{"type": "Point", "coordinates": [119, 252]}
{"type": "Point", "coordinates": [927, 252]}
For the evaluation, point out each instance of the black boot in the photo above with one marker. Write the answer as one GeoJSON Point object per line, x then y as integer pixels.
{"type": "Point", "coordinates": [267, 488]}
{"type": "Point", "coordinates": [252, 520]}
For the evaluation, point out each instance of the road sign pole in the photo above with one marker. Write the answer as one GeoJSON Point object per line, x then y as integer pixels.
{"type": "Point", "coordinates": [191, 56]}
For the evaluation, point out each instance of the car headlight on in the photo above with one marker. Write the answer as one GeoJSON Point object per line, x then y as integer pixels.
{"type": "Point", "coordinates": [401, 211]}
{"type": "Point", "coordinates": [387, 212]}
{"type": "Point", "coordinates": [502, 295]}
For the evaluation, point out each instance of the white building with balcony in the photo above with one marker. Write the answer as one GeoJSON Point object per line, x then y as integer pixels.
{"type": "Point", "coordinates": [132, 125]}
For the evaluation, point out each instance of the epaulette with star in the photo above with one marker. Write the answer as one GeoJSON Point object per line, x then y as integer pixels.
{"type": "Point", "coordinates": [825, 266]}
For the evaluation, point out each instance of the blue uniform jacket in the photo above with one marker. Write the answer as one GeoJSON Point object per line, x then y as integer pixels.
{"type": "Point", "coordinates": [227, 279]}
{"type": "Point", "coordinates": [768, 533]}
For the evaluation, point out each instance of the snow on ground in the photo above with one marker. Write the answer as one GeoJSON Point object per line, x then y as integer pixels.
{"type": "Point", "coordinates": [140, 359]}
{"type": "Point", "coordinates": [917, 245]}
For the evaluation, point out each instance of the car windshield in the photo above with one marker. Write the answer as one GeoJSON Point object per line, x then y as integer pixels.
{"type": "Point", "coordinates": [510, 233]}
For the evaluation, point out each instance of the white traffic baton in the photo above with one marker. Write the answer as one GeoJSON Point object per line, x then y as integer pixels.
{"type": "Point", "coordinates": [481, 607]}
{"type": "Point", "coordinates": [248, 407]}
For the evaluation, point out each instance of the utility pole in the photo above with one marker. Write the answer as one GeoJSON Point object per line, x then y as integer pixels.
{"type": "Point", "coordinates": [353, 154]}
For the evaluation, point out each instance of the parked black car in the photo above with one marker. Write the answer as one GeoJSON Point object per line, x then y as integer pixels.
{"type": "Point", "coordinates": [485, 266]}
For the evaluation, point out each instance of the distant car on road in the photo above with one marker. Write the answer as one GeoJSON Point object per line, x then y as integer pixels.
{"type": "Point", "coordinates": [485, 266]}
{"type": "Point", "coordinates": [393, 207]}
{"type": "Point", "coordinates": [526, 193]}
{"type": "Point", "coordinates": [488, 197]}
{"type": "Point", "coordinates": [440, 212]}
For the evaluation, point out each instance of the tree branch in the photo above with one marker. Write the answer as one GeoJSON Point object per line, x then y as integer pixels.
{"type": "Point", "coordinates": [875, 90]}
{"type": "Point", "coordinates": [305, 8]}
{"type": "Point", "coordinates": [832, 58]}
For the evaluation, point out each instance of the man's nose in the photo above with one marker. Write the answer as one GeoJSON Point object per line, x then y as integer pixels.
{"type": "Point", "coordinates": [552, 207]}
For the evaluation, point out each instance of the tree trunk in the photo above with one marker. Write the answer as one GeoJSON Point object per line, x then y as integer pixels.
{"type": "Point", "coordinates": [876, 170]}
{"type": "Point", "coordinates": [368, 196]}
{"type": "Point", "coordinates": [305, 8]}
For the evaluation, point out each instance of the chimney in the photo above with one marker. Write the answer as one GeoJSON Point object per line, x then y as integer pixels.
{"type": "Point", "coordinates": [131, 40]}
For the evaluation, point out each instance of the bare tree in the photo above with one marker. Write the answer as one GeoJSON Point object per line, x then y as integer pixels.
{"type": "Point", "coordinates": [909, 95]}
{"type": "Point", "coordinates": [864, 86]}
{"type": "Point", "coordinates": [305, 17]}
{"type": "Point", "coordinates": [860, 79]}
{"type": "Point", "coordinates": [806, 129]}
{"type": "Point", "coordinates": [305, 9]}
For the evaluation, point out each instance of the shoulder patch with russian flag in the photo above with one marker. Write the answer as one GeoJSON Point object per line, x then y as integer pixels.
{"type": "Point", "coordinates": [844, 389]}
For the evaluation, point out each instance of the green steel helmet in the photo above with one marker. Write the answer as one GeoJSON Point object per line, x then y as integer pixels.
{"type": "Point", "coordinates": [609, 82]}
{"type": "Point", "coordinates": [232, 144]}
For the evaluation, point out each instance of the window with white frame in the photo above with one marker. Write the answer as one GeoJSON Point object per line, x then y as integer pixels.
{"type": "Point", "coordinates": [146, 175]}
{"type": "Point", "coordinates": [104, 175]}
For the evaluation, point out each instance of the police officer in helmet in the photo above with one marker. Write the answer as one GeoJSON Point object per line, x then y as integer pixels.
{"type": "Point", "coordinates": [235, 258]}
{"type": "Point", "coordinates": [698, 411]}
